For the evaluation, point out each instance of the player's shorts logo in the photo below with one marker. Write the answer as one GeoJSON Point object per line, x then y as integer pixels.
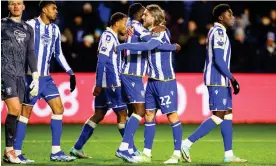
{"type": "Point", "coordinates": [224, 101]}
{"type": "Point", "coordinates": [19, 35]}
{"type": "Point", "coordinates": [133, 84]}
{"type": "Point", "coordinates": [143, 93]}
{"type": "Point", "coordinates": [8, 90]}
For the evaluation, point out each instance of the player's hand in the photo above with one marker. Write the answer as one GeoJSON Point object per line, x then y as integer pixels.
{"type": "Point", "coordinates": [130, 31]}
{"type": "Point", "coordinates": [177, 47]}
{"type": "Point", "coordinates": [72, 83]}
{"type": "Point", "coordinates": [235, 85]}
{"type": "Point", "coordinates": [34, 84]}
{"type": "Point", "coordinates": [159, 28]}
{"type": "Point", "coordinates": [97, 91]}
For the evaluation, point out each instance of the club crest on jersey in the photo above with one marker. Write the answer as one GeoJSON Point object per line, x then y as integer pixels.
{"type": "Point", "coordinates": [19, 35]}
{"type": "Point", "coordinates": [156, 34]}
{"type": "Point", "coordinates": [224, 101]}
{"type": "Point", "coordinates": [46, 39]}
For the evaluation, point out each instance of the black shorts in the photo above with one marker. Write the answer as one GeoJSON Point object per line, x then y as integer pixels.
{"type": "Point", "coordinates": [12, 86]}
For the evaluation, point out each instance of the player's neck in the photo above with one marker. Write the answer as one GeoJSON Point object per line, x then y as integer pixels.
{"type": "Point", "coordinates": [44, 19]}
{"type": "Point", "coordinates": [16, 19]}
{"type": "Point", "coordinates": [114, 29]}
{"type": "Point", "coordinates": [222, 25]}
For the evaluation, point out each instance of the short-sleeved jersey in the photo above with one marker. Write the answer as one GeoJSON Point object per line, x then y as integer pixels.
{"type": "Point", "coordinates": [135, 63]}
{"type": "Point", "coordinates": [160, 62]}
{"type": "Point", "coordinates": [111, 75]}
{"type": "Point", "coordinates": [47, 39]}
{"type": "Point", "coordinates": [217, 39]}
{"type": "Point", "coordinates": [15, 38]}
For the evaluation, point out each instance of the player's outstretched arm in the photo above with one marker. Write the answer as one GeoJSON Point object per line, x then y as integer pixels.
{"type": "Point", "coordinates": [143, 46]}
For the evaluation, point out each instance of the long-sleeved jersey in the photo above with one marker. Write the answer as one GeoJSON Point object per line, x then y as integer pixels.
{"type": "Point", "coordinates": [159, 61]}
{"type": "Point", "coordinates": [17, 48]}
{"type": "Point", "coordinates": [47, 43]}
{"type": "Point", "coordinates": [217, 63]}
{"type": "Point", "coordinates": [109, 62]}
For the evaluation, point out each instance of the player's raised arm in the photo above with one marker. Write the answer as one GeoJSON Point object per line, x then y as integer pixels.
{"type": "Point", "coordinates": [218, 44]}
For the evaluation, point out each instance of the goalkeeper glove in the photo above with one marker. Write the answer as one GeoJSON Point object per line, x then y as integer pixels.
{"type": "Point", "coordinates": [235, 86]}
{"type": "Point", "coordinates": [34, 84]}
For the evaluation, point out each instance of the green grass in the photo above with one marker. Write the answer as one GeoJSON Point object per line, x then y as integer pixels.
{"type": "Point", "coordinates": [256, 143]}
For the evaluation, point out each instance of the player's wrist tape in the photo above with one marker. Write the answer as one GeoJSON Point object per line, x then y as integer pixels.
{"type": "Point", "coordinates": [35, 75]}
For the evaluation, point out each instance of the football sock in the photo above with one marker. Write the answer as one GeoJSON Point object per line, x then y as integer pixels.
{"type": "Point", "coordinates": [149, 134]}
{"type": "Point", "coordinates": [177, 135]}
{"type": "Point", "coordinates": [121, 127]}
{"type": "Point", "coordinates": [226, 132]}
{"type": "Point", "coordinates": [205, 128]}
{"type": "Point", "coordinates": [10, 130]}
{"type": "Point", "coordinates": [87, 131]}
{"type": "Point", "coordinates": [20, 134]}
{"type": "Point", "coordinates": [56, 127]}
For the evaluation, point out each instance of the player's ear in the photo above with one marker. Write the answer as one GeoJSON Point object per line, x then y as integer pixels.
{"type": "Point", "coordinates": [24, 7]}
{"type": "Point", "coordinates": [220, 18]}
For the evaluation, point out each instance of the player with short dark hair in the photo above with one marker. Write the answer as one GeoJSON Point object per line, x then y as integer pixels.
{"type": "Point", "coordinates": [217, 78]}
{"type": "Point", "coordinates": [17, 51]}
{"type": "Point", "coordinates": [108, 83]}
{"type": "Point", "coordinates": [161, 91]}
{"type": "Point", "coordinates": [47, 42]}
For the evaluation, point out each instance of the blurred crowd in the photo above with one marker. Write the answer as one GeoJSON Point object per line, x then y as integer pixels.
{"type": "Point", "coordinates": [252, 37]}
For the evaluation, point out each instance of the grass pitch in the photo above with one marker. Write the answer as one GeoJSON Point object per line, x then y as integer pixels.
{"type": "Point", "coordinates": [256, 143]}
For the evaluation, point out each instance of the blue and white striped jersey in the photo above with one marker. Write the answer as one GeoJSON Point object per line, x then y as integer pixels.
{"type": "Point", "coordinates": [135, 63]}
{"type": "Point", "coordinates": [47, 42]}
{"type": "Point", "coordinates": [217, 40]}
{"type": "Point", "coordinates": [160, 62]}
{"type": "Point", "coordinates": [112, 69]}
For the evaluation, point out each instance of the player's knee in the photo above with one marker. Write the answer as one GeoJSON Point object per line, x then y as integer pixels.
{"type": "Point", "coordinates": [98, 116]}
{"type": "Point", "coordinates": [149, 116]}
{"type": "Point", "coordinates": [14, 110]}
{"type": "Point", "coordinates": [121, 116]}
{"type": "Point", "coordinates": [26, 111]}
{"type": "Point", "coordinates": [219, 114]}
{"type": "Point", "coordinates": [58, 109]}
{"type": "Point", "coordinates": [173, 117]}
{"type": "Point", "coordinates": [140, 109]}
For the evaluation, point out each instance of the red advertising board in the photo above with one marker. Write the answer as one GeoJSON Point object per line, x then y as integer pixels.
{"type": "Point", "coordinates": [254, 104]}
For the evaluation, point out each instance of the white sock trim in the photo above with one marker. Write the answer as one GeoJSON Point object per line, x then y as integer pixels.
{"type": "Point", "coordinates": [55, 149]}
{"type": "Point", "coordinates": [130, 151]}
{"type": "Point", "coordinates": [56, 117]}
{"type": "Point", "coordinates": [91, 123]}
{"type": "Point", "coordinates": [147, 152]}
{"type": "Point", "coordinates": [18, 152]}
{"type": "Point", "coordinates": [216, 119]}
{"type": "Point", "coordinates": [187, 143]}
{"type": "Point", "coordinates": [121, 125]}
{"type": "Point", "coordinates": [228, 117]}
{"type": "Point", "coordinates": [123, 146]}
{"type": "Point", "coordinates": [228, 153]}
{"type": "Point", "coordinates": [136, 116]}
{"type": "Point", "coordinates": [176, 152]}
{"type": "Point", "coordinates": [23, 119]}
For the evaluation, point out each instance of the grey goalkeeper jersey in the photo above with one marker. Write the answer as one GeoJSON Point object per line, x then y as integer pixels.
{"type": "Point", "coordinates": [17, 48]}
